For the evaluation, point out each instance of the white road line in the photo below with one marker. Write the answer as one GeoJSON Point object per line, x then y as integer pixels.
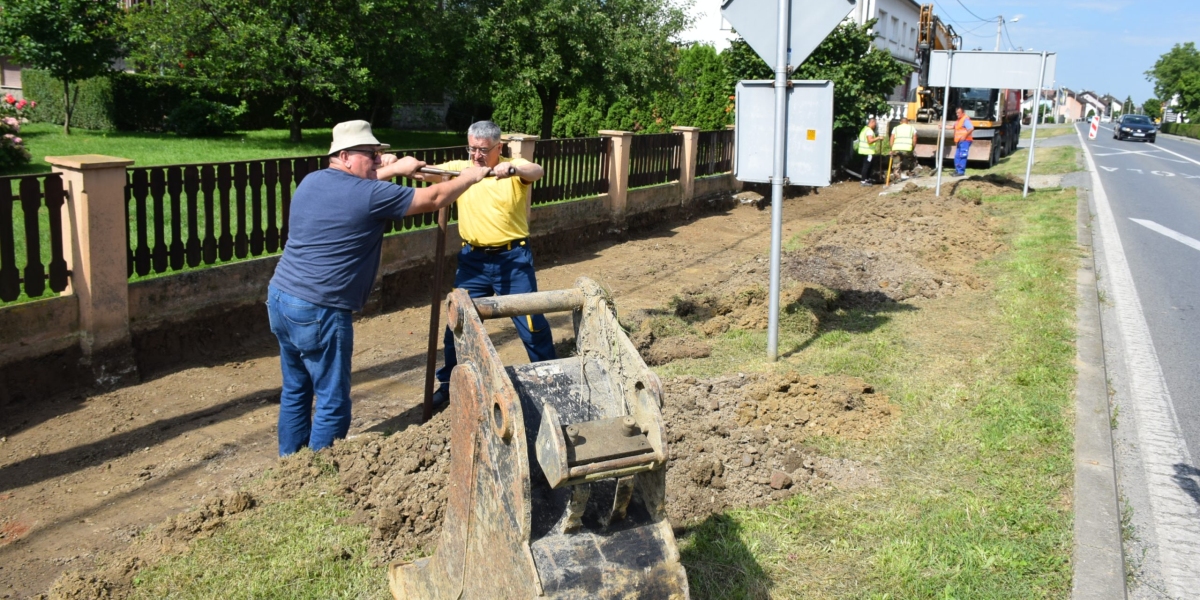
{"type": "Point", "coordinates": [1171, 233]}
{"type": "Point", "coordinates": [1175, 515]}
{"type": "Point", "coordinates": [1179, 155]}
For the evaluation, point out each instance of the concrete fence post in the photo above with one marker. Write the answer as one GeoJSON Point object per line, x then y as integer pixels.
{"type": "Point", "coordinates": [687, 166]}
{"type": "Point", "coordinates": [733, 160]}
{"type": "Point", "coordinates": [618, 171]}
{"type": "Point", "coordinates": [521, 145]}
{"type": "Point", "coordinates": [95, 214]}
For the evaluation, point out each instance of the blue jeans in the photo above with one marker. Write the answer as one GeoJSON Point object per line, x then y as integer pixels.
{"type": "Point", "coordinates": [315, 346]}
{"type": "Point", "coordinates": [960, 157]}
{"type": "Point", "coordinates": [500, 273]}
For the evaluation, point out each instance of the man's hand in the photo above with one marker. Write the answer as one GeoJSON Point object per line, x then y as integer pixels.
{"type": "Point", "coordinates": [505, 170]}
{"type": "Point", "coordinates": [387, 159]}
{"type": "Point", "coordinates": [408, 166]}
{"type": "Point", "coordinates": [475, 174]}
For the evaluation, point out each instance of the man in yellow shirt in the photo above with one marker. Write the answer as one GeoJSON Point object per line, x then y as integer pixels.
{"type": "Point", "coordinates": [493, 221]}
{"type": "Point", "coordinates": [904, 136]}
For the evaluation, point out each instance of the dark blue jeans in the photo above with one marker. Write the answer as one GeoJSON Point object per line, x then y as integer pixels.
{"type": "Point", "coordinates": [960, 157]}
{"type": "Point", "coordinates": [500, 273]}
{"type": "Point", "coordinates": [315, 346]}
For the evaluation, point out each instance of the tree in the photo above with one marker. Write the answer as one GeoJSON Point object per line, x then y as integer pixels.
{"type": "Point", "coordinates": [302, 49]}
{"type": "Point", "coordinates": [556, 49]}
{"type": "Point", "coordinates": [1152, 108]}
{"type": "Point", "coordinates": [1127, 107]}
{"type": "Point", "coordinates": [1178, 72]}
{"type": "Point", "coordinates": [72, 39]}
{"type": "Point", "coordinates": [863, 76]}
{"type": "Point", "coordinates": [1091, 113]}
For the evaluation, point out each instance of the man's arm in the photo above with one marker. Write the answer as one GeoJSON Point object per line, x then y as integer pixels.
{"type": "Point", "coordinates": [399, 167]}
{"type": "Point", "coordinates": [528, 172]}
{"type": "Point", "coordinates": [429, 199]}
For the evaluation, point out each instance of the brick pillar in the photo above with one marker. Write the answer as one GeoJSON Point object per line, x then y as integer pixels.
{"type": "Point", "coordinates": [95, 212]}
{"type": "Point", "coordinates": [687, 166]}
{"type": "Point", "coordinates": [618, 172]}
{"type": "Point", "coordinates": [521, 145]}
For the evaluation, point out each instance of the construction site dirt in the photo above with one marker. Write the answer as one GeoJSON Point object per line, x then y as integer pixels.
{"type": "Point", "coordinates": [82, 475]}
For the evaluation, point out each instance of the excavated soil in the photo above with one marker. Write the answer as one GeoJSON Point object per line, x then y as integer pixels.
{"type": "Point", "coordinates": [172, 459]}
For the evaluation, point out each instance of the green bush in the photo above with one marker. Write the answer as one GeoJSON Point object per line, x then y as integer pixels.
{"type": "Point", "coordinates": [197, 117]}
{"type": "Point", "coordinates": [12, 147]}
{"type": "Point", "coordinates": [93, 100]}
{"type": "Point", "coordinates": [1191, 130]}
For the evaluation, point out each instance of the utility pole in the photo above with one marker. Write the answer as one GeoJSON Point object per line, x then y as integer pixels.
{"type": "Point", "coordinates": [999, 25]}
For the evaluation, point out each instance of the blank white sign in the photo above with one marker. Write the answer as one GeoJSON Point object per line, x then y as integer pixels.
{"type": "Point", "coordinates": [809, 132]}
{"type": "Point", "coordinates": [994, 70]}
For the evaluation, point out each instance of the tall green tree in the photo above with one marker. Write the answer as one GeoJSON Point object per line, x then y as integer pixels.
{"type": "Point", "coordinates": [863, 76]}
{"type": "Point", "coordinates": [1127, 107]}
{"type": "Point", "coordinates": [556, 49]}
{"type": "Point", "coordinates": [302, 49]}
{"type": "Point", "coordinates": [72, 39]}
{"type": "Point", "coordinates": [1152, 108]}
{"type": "Point", "coordinates": [1178, 72]}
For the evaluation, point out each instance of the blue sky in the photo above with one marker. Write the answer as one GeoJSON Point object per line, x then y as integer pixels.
{"type": "Point", "coordinates": [1102, 45]}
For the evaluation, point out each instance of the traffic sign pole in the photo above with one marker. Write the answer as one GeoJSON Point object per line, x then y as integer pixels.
{"type": "Point", "coordinates": [1037, 108]}
{"type": "Point", "coordinates": [940, 163]}
{"type": "Point", "coordinates": [781, 73]}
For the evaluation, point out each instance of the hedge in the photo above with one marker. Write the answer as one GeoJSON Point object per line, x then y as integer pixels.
{"type": "Point", "coordinates": [1191, 130]}
{"type": "Point", "coordinates": [137, 102]}
{"type": "Point", "coordinates": [93, 98]}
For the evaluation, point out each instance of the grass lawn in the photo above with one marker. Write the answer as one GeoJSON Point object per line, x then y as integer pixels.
{"type": "Point", "coordinates": [1048, 131]}
{"type": "Point", "coordinates": [44, 139]}
{"type": "Point", "coordinates": [976, 492]}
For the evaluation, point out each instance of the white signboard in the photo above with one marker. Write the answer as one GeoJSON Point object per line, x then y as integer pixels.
{"type": "Point", "coordinates": [810, 22]}
{"type": "Point", "coordinates": [809, 132]}
{"type": "Point", "coordinates": [993, 70]}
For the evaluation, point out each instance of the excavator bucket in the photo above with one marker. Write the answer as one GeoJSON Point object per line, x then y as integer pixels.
{"type": "Point", "coordinates": [557, 468]}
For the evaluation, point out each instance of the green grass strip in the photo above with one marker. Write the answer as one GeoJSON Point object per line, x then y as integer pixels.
{"type": "Point", "coordinates": [977, 473]}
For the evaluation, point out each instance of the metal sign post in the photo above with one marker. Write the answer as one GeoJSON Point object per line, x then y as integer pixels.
{"type": "Point", "coordinates": [781, 73]}
{"type": "Point", "coordinates": [796, 36]}
{"type": "Point", "coordinates": [1037, 108]}
{"type": "Point", "coordinates": [991, 70]}
{"type": "Point", "coordinates": [940, 163]}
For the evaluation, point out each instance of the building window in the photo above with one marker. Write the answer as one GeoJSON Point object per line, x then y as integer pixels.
{"type": "Point", "coordinates": [883, 24]}
{"type": "Point", "coordinates": [895, 29]}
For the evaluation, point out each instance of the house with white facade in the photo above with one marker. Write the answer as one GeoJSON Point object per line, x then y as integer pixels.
{"type": "Point", "coordinates": [896, 32]}
{"type": "Point", "coordinates": [10, 78]}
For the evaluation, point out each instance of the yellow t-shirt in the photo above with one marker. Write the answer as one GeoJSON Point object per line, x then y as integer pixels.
{"type": "Point", "coordinates": [493, 211]}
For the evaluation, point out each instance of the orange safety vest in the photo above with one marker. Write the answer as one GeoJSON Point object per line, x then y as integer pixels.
{"type": "Point", "coordinates": [961, 133]}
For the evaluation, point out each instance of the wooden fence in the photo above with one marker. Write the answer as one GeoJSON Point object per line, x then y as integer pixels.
{"type": "Point", "coordinates": [38, 199]}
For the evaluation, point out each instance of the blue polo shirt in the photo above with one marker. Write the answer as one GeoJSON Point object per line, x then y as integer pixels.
{"type": "Point", "coordinates": [335, 235]}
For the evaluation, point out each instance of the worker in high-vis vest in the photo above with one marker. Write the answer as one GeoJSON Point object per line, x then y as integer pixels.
{"type": "Point", "coordinates": [866, 148]}
{"type": "Point", "coordinates": [904, 137]}
{"type": "Point", "coordinates": [964, 134]}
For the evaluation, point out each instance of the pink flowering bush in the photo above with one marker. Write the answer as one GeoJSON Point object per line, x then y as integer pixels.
{"type": "Point", "coordinates": [11, 107]}
{"type": "Point", "coordinates": [12, 147]}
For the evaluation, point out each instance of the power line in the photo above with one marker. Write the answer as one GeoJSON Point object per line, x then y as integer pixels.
{"type": "Point", "coordinates": [1011, 45]}
{"type": "Point", "coordinates": [972, 13]}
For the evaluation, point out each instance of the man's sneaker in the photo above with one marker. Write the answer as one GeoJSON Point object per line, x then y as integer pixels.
{"type": "Point", "coordinates": [441, 396]}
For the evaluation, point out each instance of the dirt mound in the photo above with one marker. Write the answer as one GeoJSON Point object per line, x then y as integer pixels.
{"type": "Point", "coordinates": [903, 245]}
{"type": "Point", "coordinates": [738, 441]}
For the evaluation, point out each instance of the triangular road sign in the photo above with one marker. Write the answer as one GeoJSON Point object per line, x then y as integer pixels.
{"type": "Point", "coordinates": [757, 21]}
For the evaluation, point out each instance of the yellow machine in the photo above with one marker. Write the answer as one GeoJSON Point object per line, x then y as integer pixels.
{"type": "Point", "coordinates": [996, 114]}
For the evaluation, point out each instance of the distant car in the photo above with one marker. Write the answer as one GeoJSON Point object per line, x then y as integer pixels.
{"type": "Point", "coordinates": [1135, 127]}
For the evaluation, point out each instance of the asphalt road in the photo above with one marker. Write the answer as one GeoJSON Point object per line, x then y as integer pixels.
{"type": "Point", "coordinates": [1161, 190]}
{"type": "Point", "coordinates": [1147, 214]}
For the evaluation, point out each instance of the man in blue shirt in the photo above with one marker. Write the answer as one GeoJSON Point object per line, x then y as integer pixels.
{"type": "Point", "coordinates": [335, 235]}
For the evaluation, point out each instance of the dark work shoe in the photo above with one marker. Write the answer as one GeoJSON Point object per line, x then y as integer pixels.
{"type": "Point", "coordinates": [441, 396]}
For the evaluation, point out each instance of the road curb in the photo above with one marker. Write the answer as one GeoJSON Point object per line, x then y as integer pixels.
{"type": "Point", "coordinates": [1098, 557]}
{"type": "Point", "coordinates": [1180, 138]}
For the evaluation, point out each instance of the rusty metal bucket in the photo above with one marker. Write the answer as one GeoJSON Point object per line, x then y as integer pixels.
{"type": "Point", "coordinates": [557, 478]}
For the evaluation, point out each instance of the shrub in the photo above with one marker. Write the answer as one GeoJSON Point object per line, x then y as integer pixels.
{"type": "Point", "coordinates": [197, 117]}
{"type": "Point", "coordinates": [94, 100]}
{"type": "Point", "coordinates": [12, 147]}
{"type": "Point", "coordinates": [1191, 130]}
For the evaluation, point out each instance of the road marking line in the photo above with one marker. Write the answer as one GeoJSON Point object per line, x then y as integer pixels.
{"type": "Point", "coordinates": [1175, 515]}
{"type": "Point", "coordinates": [1180, 155]}
{"type": "Point", "coordinates": [1110, 169]}
{"type": "Point", "coordinates": [1163, 173]}
{"type": "Point", "coordinates": [1171, 233]}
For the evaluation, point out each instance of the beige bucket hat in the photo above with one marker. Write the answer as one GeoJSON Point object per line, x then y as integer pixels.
{"type": "Point", "coordinates": [351, 134]}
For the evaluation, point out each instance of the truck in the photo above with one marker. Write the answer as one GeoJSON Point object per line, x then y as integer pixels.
{"type": "Point", "coordinates": [995, 113]}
